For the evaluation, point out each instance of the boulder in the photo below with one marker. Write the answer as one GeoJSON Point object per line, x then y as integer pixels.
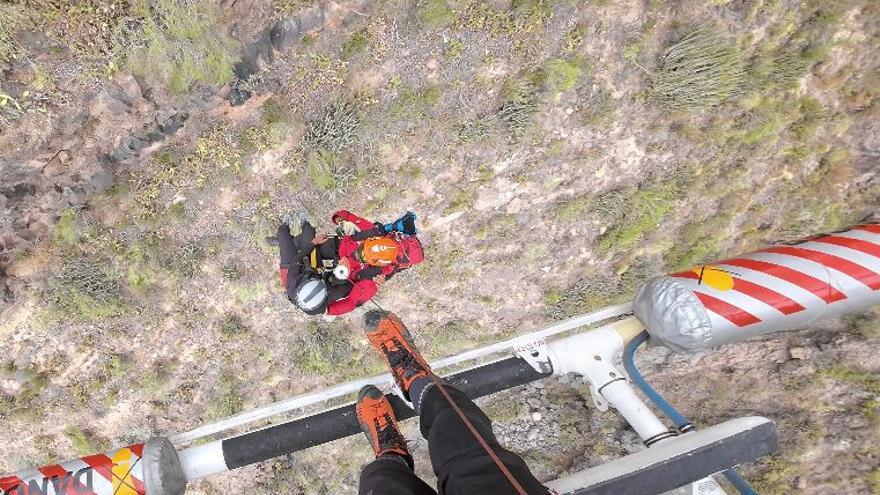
{"type": "Point", "coordinates": [106, 105]}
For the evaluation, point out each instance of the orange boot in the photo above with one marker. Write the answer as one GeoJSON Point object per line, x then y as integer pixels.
{"type": "Point", "coordinates": [389, 336]}
{"type": "Point", "coordinates": [379, 424]}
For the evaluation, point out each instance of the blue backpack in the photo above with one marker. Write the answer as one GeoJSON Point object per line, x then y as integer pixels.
{"type": "Point", "coordinates": [405, 225]}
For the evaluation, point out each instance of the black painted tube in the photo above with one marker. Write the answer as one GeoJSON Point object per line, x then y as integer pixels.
{"type": "Point", "coordinates": [341, 422]}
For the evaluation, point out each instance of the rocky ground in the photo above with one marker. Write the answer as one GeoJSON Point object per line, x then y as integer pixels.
{"type": "Point", "coordinates": [553, 155]}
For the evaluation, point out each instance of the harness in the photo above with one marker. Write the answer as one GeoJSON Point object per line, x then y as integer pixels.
{"type": "Point", "coordinates": [324, 267]}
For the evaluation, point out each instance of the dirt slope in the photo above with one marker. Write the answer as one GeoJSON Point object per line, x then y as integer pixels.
{"type": "Point", "coordinates": [554, 158]}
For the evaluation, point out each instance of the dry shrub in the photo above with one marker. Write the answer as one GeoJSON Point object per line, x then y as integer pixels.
{"type": "Point", "coordinates": [700, 71]}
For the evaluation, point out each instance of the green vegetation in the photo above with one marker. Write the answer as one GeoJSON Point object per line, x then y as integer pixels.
{"type": "Point", "coordinates": [356, 43]}
{"type": "Point", "coordinates": [764, 120]}
{"type": "Point", "coordinates": [572, 209]}
{"type": "Point", "coordinates": [320, 170]}
{"type": "Point", "coordinates": [180, 44]}
{"type": "Point", "coordinates": [413, 103]}
{"type": "Point", "coordinates": [13, 18]}
{"type": "Point", "coordinates": [460, 200]}
{"type": "Point", "coordinates": [83, 290]}
{"type": "Point", "coordinates": [597, 290]}
{"type": "Point", "coordinates": [454, 49]}
{"type": "Point", "coordinates": [435, 14]}
{"type": "Point", "coordinates": [117, 367]}
{"type": "Point", "coordinates": [69, 230]}
{"type": "Point", "coordinates": [519, 102]}
{"type": "Point", "coordinates": [599, 107]}
{"type": "Point", "coordinates": [329, 352]}
{"type": "Point", "coordinates": [529, 14]}
{"type": "Point", "coordinates": [474, 129]}
{"type": "Point", "coordinates": [503, 410]}
{"type": "Point", "coordinates": [866, 325]}
{"type": "Point", "coordinates": [23, 403]}
{"type": "Point", "coordinates": [700, 71]}
{"type": "Point", "coordinates": [336, 129]}
{"type": "Point", "coordinates": [226, 399]}
{"type": "Point", "coordinates": [699, 242]}
{"type": "Point", "coordinates": [812, 216]}
{"type": "Point", "coordinates": [812, 114]}
{"type": "Point", "coordinates": [796, 47]}
{"type": "Point", "coordinates": [216, 151]}
{"type": "Point", "coordinates": [84, 443]}
{"type": "Point", "coordinates": [231, 326]}
{"type": "Point", "coordinates": [851, 376]}
{"type": "Point", "coordinates": [562, 75]}
{"type": "Point", "coordinates": [524, 17]}
{"type": "Point", "coordinates": [644, 209]}
{"type": "Point", "coordinates": [187, 260]}
{"type": "Point", "coordinates": [156, 383]}
{"type": "Point", "coordinates": [276, 126]}
{"type": "Point", "coordinates": [874, 481]}
{"type": "Point", "coordinates": [286, 7]}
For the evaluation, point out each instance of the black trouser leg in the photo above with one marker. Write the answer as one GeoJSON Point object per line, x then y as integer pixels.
{"type": "Point", "coordinates": [294, 248]}
{"type": "Point", "coordinates": [462, 465]}
{"type": "Point", "coordinates": [386, 476]}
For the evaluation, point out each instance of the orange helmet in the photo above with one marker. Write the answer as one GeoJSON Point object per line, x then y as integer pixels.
{"type": "Point", "coordinates": [377, 251]}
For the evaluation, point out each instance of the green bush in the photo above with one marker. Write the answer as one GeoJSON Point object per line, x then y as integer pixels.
{"type": "Point", "coordinates": [13, 18]}
{"type": "Point", "coordinates": [321, 167]}
{"type": "Point", "coordinates": [561, 75]}
{"type": "Point", "coordinates": [519, 103]}
{"type": "Point", "coordinates": [474, 129]}
{"type": "Point", "coordinates": [336, 129]}
{"type": "Point", "coordinates": [231, 326]}
{"type": "Point", "coordinates": [700, 71]}
{"type": "Point", "coordinates": [644, 209]}
{"type": "Point", "coordinates": [435, 14]}
{"type": "Point", "coordinates": [83, 290]}
{"type": "Point", "coordinates": [790, 65]}
{"type": "Point", "coordinates": [531, 13]}
{"type": "Point", "coordinates": [812, 113]}
{"type": "Point", "coordinates": [84, 443]}
{"type": "Point", "coordinates": [415, 102]}
{"type": "Point", "coordinates": [226, 400]}
{"type": "Point", "coordinates": [356, 43]}
{"type": "Point", "coordinates": [699, 242]}
{"type": "Point", "coordinates": [179, 43]}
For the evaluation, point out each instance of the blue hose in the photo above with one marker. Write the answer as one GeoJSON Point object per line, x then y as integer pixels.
{"type": "Point", "coordinates": [629, 363]}
{"type": "Point", "coordinates": [670, 412]}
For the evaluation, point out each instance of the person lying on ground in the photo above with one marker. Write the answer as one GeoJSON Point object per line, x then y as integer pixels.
{"type": "Point", "coordinates": [466, 456]}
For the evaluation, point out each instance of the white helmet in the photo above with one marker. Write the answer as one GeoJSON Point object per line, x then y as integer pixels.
{"type": "Point", "coordinates": [341, 272]}
{"type": "Point", "coordinates": [311, 295]}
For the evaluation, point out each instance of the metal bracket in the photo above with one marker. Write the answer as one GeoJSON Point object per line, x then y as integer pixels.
{"type": "Point", "coordinates": [598, 401]}
{"type": "Point", "coordinates": [537, 354]}
{"type": "Point", "coordinates": [706, 486]}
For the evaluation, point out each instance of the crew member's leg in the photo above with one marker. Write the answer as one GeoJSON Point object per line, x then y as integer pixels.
{"type": "Point", "coordinates": [462, 464]}
{"type": "Point", "coordinates": [305, 237]}
{"type": "Point", "coordinates": [287, 247]}
{"type": "Point", "coordinates": [294, 247]}
{"type": "Point", "coordinates": [392, 471]}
